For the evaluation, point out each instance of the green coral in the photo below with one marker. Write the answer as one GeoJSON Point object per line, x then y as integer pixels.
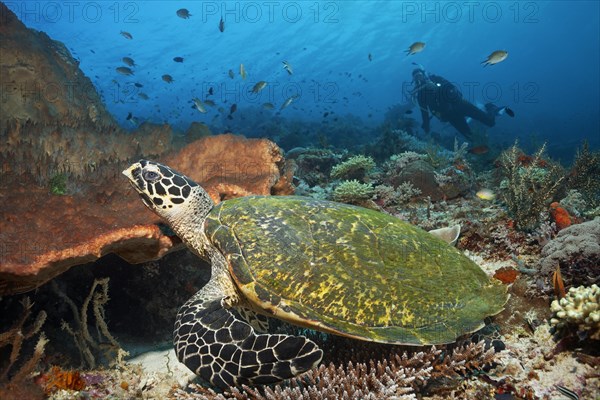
{"type": "Point", "coordinates": [58, 184]}
{"type": "Point", "coordinates": [580, 308]}
{"type": "Point", "coordinates": [353, 192]}
{"type": "Point", "coordinates": [585, 175]}
{"type": "Point", "coordinates": [528, 187]}
{"type": "Point", "coordinates": [356, 167]}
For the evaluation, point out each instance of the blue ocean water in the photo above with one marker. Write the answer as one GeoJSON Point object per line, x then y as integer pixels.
{"type": "Point", "coordinates": [348, 57]}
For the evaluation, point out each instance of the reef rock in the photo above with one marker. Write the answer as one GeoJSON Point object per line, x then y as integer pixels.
{"type": "Point", "coordinates": [422, 176]}
{"type": "Point", "coordinates": [576, 250]}
{"type": "Point", "coordinates": [231, 166]}
{"type": "Point", "coordinates": [43, 234]}
{"type": "Point", "coordinates": [41, 81]}
{"type": "Point", "coordinates": [197, 130]}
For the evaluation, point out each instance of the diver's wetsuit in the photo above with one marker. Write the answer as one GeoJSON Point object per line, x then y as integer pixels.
{"type": "Point", "coordinates": [445, 101]}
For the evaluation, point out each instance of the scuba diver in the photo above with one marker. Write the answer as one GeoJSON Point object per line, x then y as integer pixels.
{"type": "Point", "coordinates": [440, 97]}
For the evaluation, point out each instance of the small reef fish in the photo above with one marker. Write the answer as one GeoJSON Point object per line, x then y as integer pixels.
{"type": "Point", "coordinates": [183, 13]}
{"type": "Point", "coordinates": [567, 392]}
{"type": "Point", "coordinates": [231, 74]}
{"type": "Point", "coordinates": [287, 102]}
{"type": "Point", "coordinates": [210, 91]}
{"type": "Point", "coordinates": [178, 59]}
{"type": "Point", "coordinates": [268, 106]}
{"type": "Point", "coordinates": [259, 86]}
{"type": "Point", "coordinates": [124, 71]}
{"type": "Point", "coordinates": [132, 119]}
{"type": "Point", "coordinates": [198, 105]}
{"type": "Point", "coordinates": [209, 103]}
{"type": "Point", "coordinates": [138, 84]}
{"type": "Point", "coordinates": [486, 194]}
{"type": "Point", "coordinates": [477, 150]}
{"type": "Point", "coordinates": [243, 73]}
{"type": "Point", "coordinates": [128, 61]}
{"type": "Point", "coordinates": [232, 110]}
{"type": "Point", "coordinates": [496, 57]}
{"type": "Point", "coordinates": [167, 78]}
{"type": "Point", "coordinates": [558, 283]}
{"type": "Point", "coordinates": [222, 25]}
{"type": "Point", "coordinates": [143, 96]}
{"type": "Point", "coordinates": [126, 35]}
{"type": "Point", "coordinates": [415, 48]}
{"type": "Point", "coordinates": [288, 67]}
{"type": "Point", "coordinates": [370, 57]}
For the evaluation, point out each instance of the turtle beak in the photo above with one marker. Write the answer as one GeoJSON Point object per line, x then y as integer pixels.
{"type": "Point", "coordinates": [133, 173]}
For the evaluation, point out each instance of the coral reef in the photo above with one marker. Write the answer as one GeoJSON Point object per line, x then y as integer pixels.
{"type": "Point", "coordinates": [396, 375]}
{"type": "Point", "coordinates": [560, 216]}
{"type": "Point", "coordinates": [388, 196]}
{"type": "Point", "coordinates": [584, 175]}
{"type": "Point", "coordinates": [42, 82]}
{"type": "Point", "coordinates": [576, 250]}
{"type": "Point", "coordinates": [314, 165]}
{"type": "Point", "coordinates": [528, 371]}
{"type": "Point", "coordinates": [574, 203]}
{"type": "Point", "coordinates": [197, 130]}
{"type": "Point", "coordinates": [231, 166]}
{"type": "Point", "coordinates": [353, 192]}
{"type": "Point", "coordinates": [356, 167]}
{"type": "Point", "coordinates": [17, 381]}
{"type": "Point", "coordinates": [579, 309]}
{"type": "Point", "coordinates": [62, 231]}
{"type": "Point", "coordinates": [528, 185]}
{"type": "Point", "coordinates": [89, 347]}
{"type": "Point", "coordinates": [58, 379]}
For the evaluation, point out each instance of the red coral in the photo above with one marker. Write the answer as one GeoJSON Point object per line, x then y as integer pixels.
{"type": "Point", "coordinates": [506, 275]}
{"type": "Point", "coordinates": [58, 379]}
{"type": "Point", "coordinates": [560, 216]}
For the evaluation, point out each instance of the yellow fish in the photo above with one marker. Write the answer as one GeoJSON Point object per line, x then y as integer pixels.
{"type": "Point", "coordinates": [486, 194]}
{"type": "Point", "coordinates": [496, 57]}
{"type": "Point", "coordinates": [243, 73]}
{"type": "Point", "coordinates": [415, 48]}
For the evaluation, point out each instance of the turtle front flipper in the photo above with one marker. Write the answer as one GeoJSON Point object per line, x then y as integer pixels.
{"type": "Point", "coordinates": [217, 344]}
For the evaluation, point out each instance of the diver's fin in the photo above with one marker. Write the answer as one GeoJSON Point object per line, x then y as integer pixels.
{"type": "Point", "coordinates": [494, 110]}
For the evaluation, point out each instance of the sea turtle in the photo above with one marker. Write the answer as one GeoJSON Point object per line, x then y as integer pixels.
{"type": "Point", "coordinates": [333, 267]}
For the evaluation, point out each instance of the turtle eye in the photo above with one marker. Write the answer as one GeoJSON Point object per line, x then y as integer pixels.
{"type": "Point", "coordinates": [151, 176]}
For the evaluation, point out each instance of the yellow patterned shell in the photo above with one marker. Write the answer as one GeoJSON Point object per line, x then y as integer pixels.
{"type": "Point", "coordinates": [351, 271]}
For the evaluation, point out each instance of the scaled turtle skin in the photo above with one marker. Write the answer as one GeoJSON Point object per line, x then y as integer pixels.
{"type": "Point", "coordinates": [324, 265]}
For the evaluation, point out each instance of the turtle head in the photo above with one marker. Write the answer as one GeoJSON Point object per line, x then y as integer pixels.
{"type": "Point", "coordinates": [167, 192]}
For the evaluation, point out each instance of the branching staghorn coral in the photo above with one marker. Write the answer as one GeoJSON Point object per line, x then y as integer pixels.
{"type": "Point", "coordinates": [399, 375]}
{"type": "Point", "coordinates": [15, 337]}
{"type": "Point", "coordinates": [89, 347]}
{"type": "Point", "coordinates": [528, 186]}
{"type": "Point", "coordinates": [353, 192]}
{"type": "Point", "coordinates": [356, 167]}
